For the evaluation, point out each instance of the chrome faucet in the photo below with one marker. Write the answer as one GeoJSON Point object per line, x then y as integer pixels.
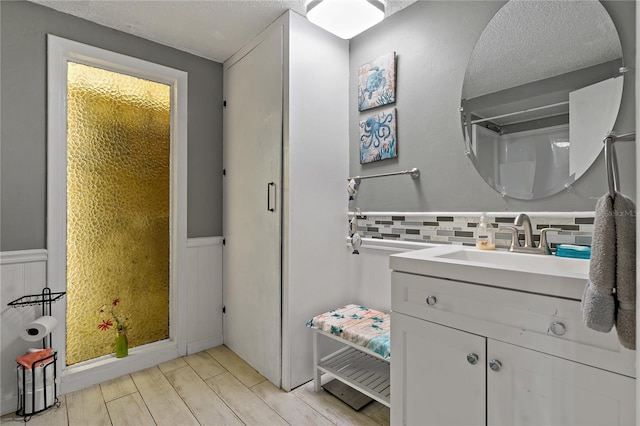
{"type": "Point", "coordinates": [529, 246]}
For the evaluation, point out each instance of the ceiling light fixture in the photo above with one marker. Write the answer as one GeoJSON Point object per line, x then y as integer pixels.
{"type": "Point", "coordinates": [345, 18]}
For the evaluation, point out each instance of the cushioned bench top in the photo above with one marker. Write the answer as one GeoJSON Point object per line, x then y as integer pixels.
{"type": "Point", "coordinates": [359, 325]}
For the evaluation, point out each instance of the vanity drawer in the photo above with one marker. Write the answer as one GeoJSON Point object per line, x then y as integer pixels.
{"type": "Point", "coordinates": [548, 324]}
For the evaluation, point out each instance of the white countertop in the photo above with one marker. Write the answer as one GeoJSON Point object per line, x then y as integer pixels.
{"type": "Point", "coordinates": [534, 273]}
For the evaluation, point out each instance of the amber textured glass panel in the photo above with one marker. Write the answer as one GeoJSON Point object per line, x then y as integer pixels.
{"type": "Point", "coordinates": [118, 191]}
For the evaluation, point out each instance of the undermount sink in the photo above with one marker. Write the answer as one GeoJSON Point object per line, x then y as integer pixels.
{"type": "Point", "coordinates": [534, 273]}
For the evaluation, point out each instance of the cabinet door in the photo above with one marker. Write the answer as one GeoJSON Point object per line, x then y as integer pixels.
{"type": "Point", "coordinates": [251, 207]}
{"type": "Point", "coordinates": [532, 388]}
{"type": "Point", "coordinates": [432, 382]}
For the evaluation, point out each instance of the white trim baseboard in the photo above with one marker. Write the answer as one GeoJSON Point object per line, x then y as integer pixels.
{"type": "Point", "coordinates": [204, 241]}
{"type": "Point", "coordinates": [109, 367]}
{"type": "Point", "coordinates": [204, 344]}
{"type": "Point", "coordinates": [9, 405]}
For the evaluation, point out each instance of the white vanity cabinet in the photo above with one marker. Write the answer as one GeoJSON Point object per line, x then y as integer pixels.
{"type": "Point", "coordinates": [532, 388]}
{"type": "Point", "coordinates": [431, 381]}
{"type": "Point", "coordinates": [467, 353]}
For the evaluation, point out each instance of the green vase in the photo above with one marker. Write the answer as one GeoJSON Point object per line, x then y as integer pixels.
{"type": "Point", "coordinates": [122, 344]}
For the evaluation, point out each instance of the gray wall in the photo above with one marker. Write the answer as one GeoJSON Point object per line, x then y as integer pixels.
{"type": "Point", "coordinates": [23, 146]}
{"type": "Point", "coordinates": [433, 41]}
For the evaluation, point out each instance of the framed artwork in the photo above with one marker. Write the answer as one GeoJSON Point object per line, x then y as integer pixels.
{"type": "Point", "coordinates": [378, 136]}
{"type": "Point", "coordinates": [377, 82]}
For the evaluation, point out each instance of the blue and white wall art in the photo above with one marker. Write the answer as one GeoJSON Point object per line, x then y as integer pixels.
{"type": "Point", "coordinates": [378, 136]}
{"type": "Point", "coordinates": [377, 82]}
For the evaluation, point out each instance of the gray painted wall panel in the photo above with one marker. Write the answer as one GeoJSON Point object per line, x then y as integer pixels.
{"type": "Point", "coordinates": [433, 41]}
{"type": "Point", "coordinates": [23, 122]}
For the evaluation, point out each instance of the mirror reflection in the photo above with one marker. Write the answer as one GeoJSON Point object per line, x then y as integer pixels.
{"type": "Point", "coordinates": [542, 89]}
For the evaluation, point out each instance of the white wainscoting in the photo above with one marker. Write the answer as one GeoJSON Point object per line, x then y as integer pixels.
{"type": "Point", "coordinates": [21, 273]}
{"type": "Point", "coordinates": [25, 272]}
{"type": "Point", "coordinates": [369, 276]}
{"type": "Point", "coordinates": [204, 294]}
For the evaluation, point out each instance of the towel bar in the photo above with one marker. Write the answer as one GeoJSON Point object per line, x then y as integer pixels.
{"type": "Point", "coordinates": [415, 173]}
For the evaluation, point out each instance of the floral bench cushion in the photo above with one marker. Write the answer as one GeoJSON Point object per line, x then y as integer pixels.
{"type": "Point", "coordinates": [359, 325]}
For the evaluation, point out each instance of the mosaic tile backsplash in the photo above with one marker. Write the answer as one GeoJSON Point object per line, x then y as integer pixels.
{"type": "Point", "coordinates": [459, 228]}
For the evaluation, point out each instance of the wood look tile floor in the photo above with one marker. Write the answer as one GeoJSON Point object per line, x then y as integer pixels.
{"type": "Point", "coordinates": [213, 387]}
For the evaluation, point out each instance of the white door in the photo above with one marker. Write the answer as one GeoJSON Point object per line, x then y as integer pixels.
{"type": "Point", "coordinates": [532, 388]}
{"type": "Point", "coordinates": [252, 206]}
{"type": "Point", "coordinates": [437, 374]}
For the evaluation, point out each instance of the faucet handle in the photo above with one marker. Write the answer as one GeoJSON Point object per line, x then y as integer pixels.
{"type": "Point", "coordinates": [543, 239]}
{"type": "Point", "coordinates": [514, 235]}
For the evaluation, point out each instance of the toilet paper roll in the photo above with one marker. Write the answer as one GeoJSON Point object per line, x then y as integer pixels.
{"type": "Point", "coordinates": [39, 328]}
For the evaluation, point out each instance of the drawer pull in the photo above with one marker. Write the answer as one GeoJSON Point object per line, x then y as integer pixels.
{"type": "Point", "coordinates": [472, 358]}
{"type": "Point", "coordinates": [431, 300]}
{"type": "Point", "coordinates": [557, 328]}
{"type": "Point", "coordinates": [495, 365]}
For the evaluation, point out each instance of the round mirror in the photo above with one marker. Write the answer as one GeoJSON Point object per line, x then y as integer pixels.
{"type": "Point", "coordinates": [541, 91]}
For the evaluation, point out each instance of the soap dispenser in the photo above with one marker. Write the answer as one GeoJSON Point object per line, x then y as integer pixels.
{"type": "Point", "coordinates": [484, 234]}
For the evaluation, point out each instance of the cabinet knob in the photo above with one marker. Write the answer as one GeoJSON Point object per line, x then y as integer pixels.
{"type": "Point", "coordinates": [495, 365]}
{"type": "Point", "coordinates": [472, 358]}
{"type": "Point", "coordinates": [431, 300]}
{"type": "Point", "coordinates": [558, 328]}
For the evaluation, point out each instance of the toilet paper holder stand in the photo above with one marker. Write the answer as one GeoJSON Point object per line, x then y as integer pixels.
{"type": "Point", "coordinates": [46, 396]}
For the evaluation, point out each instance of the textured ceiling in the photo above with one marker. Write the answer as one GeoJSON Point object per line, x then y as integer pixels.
{"type": "Point", "coordinates": [213, 29]}
{"type": "Point", "coordinates": [530, 40]}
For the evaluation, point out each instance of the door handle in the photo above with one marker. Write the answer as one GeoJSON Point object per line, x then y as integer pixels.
{"type": "Point", "coordinates": [271, 187]}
